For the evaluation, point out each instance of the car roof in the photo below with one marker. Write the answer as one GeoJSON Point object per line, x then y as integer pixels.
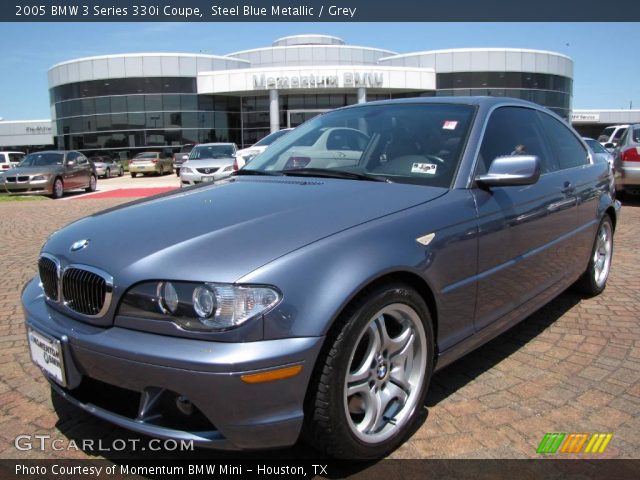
{"type": "Point", "coordinates": [214, 143]}
{"type": "Point", "coordinates": [467, 100]}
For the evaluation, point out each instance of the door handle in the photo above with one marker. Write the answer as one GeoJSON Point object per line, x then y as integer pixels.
{"type": "Point", "coordinates": [568, 188]}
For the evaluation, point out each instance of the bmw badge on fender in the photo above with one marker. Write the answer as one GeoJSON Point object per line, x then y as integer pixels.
{"type": "Point", "coordinates": [314, 293]}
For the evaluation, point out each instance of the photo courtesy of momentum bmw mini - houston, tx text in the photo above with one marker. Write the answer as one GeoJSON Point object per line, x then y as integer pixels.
{"type": "Point", "coordinates": [365, 268]}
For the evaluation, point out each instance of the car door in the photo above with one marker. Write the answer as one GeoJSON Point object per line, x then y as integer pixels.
{"type": "Point", "coordinates": [72, 171]}
{"type": "Point", "coordinates": [521, 250]}
{"type": "Point", "coordinates": [84, 170]}
{"type": "Point", "coordinates": [585, 178]}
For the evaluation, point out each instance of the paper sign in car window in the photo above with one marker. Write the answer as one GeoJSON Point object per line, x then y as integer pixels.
{"type": "Point", "coordinates": [425, 168]}
{"type": "Point", "coordinates": [449, 125]}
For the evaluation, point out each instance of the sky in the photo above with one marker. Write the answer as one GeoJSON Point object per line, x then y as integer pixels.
{"type": "Point", "coordinates": [605, 77]}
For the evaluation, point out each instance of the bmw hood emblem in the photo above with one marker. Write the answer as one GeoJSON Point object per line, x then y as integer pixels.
{"type": "Point", "coordinates": [80, 244]}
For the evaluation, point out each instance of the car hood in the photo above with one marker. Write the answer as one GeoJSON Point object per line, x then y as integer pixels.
{"type": "Point", "coordinates": [224, 231]}
{"type": "Point", "coordinates": [209, 162]}
{"type": "Point", "coordinates": [42, 170]}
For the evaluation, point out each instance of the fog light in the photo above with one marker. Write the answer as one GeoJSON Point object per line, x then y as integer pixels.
{"type": "Point", "coordinates": [204, 301]}
{"type": "Point", "coordinates": [167, 297]}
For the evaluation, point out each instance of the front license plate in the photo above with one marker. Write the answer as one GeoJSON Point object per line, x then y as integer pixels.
{"type": "Point", "coordinates": [207, 179]}
{"type": "Point", "coordinates": [47, 354]}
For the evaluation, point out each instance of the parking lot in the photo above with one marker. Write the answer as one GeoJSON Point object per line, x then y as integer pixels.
{"type": "Point", "coordinates": [574, 366]}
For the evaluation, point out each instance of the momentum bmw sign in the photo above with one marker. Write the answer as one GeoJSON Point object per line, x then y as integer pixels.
{"type": "Point", "coordinates": [319, 80]}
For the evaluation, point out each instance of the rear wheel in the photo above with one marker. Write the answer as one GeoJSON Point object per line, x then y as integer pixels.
{"type": "Point", "coordinates": [58, 188]}
{"type": "Point", "coordinates": [107, 174]}
{"type": "Point", "coordinates": [594, 279]}
{"type": "Point", "coordinates": [133, 175]}
{"type": "Point", "coordinates": [92, 184]}
{"type": "Point", "coordinates": [369, 386]}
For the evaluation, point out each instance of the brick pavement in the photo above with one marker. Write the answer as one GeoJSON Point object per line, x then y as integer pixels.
{"type": "Point", "coordinates": [574, 366]}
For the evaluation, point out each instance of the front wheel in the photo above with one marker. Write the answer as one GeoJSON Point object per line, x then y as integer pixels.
{"type": "Point", "coordinates": [594, 279]}
{"type": "Point", "coordinates": [368, 389]}
{"type": "Point", "coordinates": [133, 175]}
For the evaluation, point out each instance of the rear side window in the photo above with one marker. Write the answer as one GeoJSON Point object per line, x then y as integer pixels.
{"type": "Point", "coordinates": [3, 158]}
{"type": "Point", "coordinates": [513, 131]}
{"type": "Point", "coordinates": [568, 149]}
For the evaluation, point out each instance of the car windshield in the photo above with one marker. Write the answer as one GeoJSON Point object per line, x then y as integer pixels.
{"type": "Point", "coordinates": [272, 137]}
{"type": "Point", "coordinates": [186, 148]}
{"type": "Point", "coordinates": [636, 135]}
{"type": "Point", "coordinates": [595, 146]}
{"type": "Point", "coordinates": [147, 155]}
{"type": "Point", "coordinates": [399, 142]}
{"type": "Point", "coordinates": [42, 159]}
{"type": "Point", "coordinates": [202, 152]}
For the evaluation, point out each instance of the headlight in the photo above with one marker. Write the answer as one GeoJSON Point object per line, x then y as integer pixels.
{"type": "Point", "coordinates": [186, 170]}
{"type": "Point", "coordinates": [227, 168]}
{"type": "Point", "coordinates": [199, 306]}
{"type": "Point", "coordinates": [39, 178]}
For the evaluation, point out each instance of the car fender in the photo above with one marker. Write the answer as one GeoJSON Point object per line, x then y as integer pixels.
{"type": "Point", "coordinates": [320, 279]}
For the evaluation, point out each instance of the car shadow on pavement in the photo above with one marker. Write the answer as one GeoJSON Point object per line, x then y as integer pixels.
{"type": "Point", "coordinates": [460, 373]}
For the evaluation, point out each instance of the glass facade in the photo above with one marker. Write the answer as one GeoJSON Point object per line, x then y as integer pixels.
{"type": "Point", "coordinates": [551, 91]}
{"type": "Point", "coordinates": [127, 115]}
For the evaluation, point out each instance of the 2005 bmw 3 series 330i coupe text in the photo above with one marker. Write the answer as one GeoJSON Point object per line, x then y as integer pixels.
{"type": "Point", "coordinates": [315, 292]}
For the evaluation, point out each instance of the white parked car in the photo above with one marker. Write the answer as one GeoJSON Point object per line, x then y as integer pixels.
{"type": "Point", "coordinates": [599, 151]}
{"type": "Point", "coordinates": [10, 159]}
{"type": "Point", "coordinates": [208, 162]}
{"type": "Point", "coordinates": [245, 155]}
{"type": "Point", "coordinates": [336, 147]}
{"type": "Point", "coordinates": [610, 136]}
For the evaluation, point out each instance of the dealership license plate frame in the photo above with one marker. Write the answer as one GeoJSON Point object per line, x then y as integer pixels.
{"type": "Point", "coordinates": [39, 356]}
{"type": "Point", "coordinates": [208, 179]}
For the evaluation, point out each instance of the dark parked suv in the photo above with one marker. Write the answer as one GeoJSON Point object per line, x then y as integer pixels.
{"type": "Point", "coordinates": [358, 277]}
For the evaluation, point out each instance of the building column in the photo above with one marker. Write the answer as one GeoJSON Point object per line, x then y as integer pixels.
{"type": "Point", "coordinates": [274, 110]}
{"type": "Point", "coordinates": [362, 95]}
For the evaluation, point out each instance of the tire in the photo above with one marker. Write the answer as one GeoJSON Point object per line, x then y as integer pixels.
{"type": "Point", "coordinates": [58, 188]}
{"type": "Point", "coordinates": [92, 184]}
{"type": "Point", "coordinates": [133, 175]}
{"type": "Point", "coordinates": [594, 280]}
{"type": "Point", "coordinates": [121, 172]}
{"type": "Point", "coordinates": [107, 173]}
{"type": "Point", "coordinates": [380, 349]}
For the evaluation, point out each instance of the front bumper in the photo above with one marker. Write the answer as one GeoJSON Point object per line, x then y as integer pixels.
{"type": "Point", "coordinates": [27, 188]}
{"type": "Point", "coordinates": [148, 372]}
{"type": "Point", "coordinates": [188, 178]}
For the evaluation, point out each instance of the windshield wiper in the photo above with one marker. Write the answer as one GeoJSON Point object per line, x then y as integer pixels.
{"type": "Point", "coordinates": [330, 173]}
{"type": "Point", "coordinates": [243, 171]}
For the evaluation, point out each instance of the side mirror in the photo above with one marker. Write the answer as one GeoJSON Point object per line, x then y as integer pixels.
{"type": "Point", "coordinates": [511, 171]}
{"type": "Point", "coordinates": [610, 145]}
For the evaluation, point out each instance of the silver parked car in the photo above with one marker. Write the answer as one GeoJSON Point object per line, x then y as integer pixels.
{"type": "Point", "coordinates": [627, 162]}
{"type": "Point", "coordinates": [50, 173]}
{"type": "Point", "coordinates": [600, 153]}
{"type": "Point", "coordinates": [355, 281]}
{"type": "Point", "coordinates": [106, 166]}
{"type": "Point", "coordinates": [208, 162]}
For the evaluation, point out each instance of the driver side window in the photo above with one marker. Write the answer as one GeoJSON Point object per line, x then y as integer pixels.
{"type": "Point", "coordinates": [513, 131]}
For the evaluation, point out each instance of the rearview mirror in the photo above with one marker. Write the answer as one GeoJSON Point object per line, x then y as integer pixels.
{"type": "Point", "coordinates": [511, 171]}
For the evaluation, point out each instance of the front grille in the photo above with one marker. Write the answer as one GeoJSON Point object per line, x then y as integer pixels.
{"type": "Point", "coordinates": [49, 277]}
{"type": "Point", "coordinates": [10, 179]}
{"type": "Point", "coordinates": [83, 291]}
{"type": "Point", "coordinates": [207, 171]}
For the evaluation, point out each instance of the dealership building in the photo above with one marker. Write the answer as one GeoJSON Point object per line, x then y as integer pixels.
{"type": "Point", "coordinates": [130, 102]}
